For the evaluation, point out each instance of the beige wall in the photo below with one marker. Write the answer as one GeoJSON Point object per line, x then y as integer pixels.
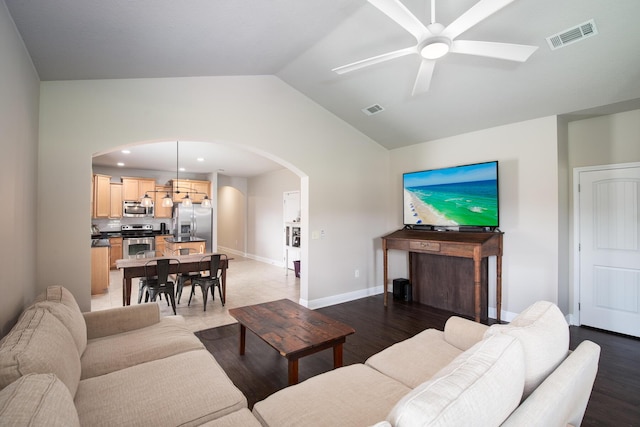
{"type": "Point", "coordinates": [265, 238]}
{"type": "Point", "coordinates": [19, 93]}
{"type": "Point", "coordinates": [347, 193]}
{"type": "Point", "coordinates": [528, 179]}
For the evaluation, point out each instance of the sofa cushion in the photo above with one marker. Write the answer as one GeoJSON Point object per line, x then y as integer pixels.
{"type": "Point", "coordinates": [187, 389]}
{"type": "Point", "coordinates": [355, 395]}
{"type": "Point", "coordinates": [37, 400]}
{"type": "Point", "coordinates": [480, 387]}
{"type": "Point", "coordinates": [39, 343]}
{"type": "Point", "coordinates": [415, 360]}
{"type": "Point", "coordinates": [166, 338]}
{"type": "Point", "coordinates": [544, 335]}
{"type": "Point", "coordinates": [243, 418]}
{"type": "Point", "coordinates": [61, 303]}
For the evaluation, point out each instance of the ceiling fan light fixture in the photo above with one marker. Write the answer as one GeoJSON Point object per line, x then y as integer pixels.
{"type": "Point", "coordinates": [435, 48]}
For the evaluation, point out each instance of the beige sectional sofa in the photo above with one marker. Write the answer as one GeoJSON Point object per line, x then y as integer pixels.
{"type": "Point", "coordinates": [124, 366]}
{"type": "Point", "coordinates": [128, 366]}
{"type": "Point", "coordinates": [521, 374]}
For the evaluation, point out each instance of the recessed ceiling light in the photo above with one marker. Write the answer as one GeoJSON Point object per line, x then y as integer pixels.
{"type": "Point", "coordinates": [200, 159]}
{"type": "Point", "coordinates": [120, 164]}
{"type": "Point", "coordinates": [126, 151]}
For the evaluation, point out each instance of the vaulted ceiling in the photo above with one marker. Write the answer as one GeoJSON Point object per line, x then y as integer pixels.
{"type": "Point", "coordinates": [301, 41]}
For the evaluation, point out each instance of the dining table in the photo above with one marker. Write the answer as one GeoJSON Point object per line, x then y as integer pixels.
{"type": "Point", "coordinates": [135, 267]}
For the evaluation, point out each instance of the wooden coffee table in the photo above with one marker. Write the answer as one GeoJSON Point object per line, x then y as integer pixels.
{"type": "Point", "coordinates": [293, 330]}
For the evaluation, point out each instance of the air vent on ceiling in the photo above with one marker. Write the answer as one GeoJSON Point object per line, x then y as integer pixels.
{"type": "Point", "coordinates": [572, 35]}
{"type": "Point", "coordinates": [374, 109]}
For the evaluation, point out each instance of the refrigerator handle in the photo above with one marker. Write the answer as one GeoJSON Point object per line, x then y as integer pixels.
{"type": "Point", "coordinates": [194, 224]}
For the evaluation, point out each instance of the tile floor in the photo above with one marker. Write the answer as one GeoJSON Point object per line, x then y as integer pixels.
{"type": "Point", "coordinates": [248, 282]}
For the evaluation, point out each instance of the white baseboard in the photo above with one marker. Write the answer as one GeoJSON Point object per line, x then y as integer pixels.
{"type": "Point", "coordinates": [339, 299]}
{"type": "Point", "coordinates": [250, 256]}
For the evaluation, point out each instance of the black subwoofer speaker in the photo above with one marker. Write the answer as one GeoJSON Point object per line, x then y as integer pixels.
{"type": "Point", "coordinates": [402, 290]}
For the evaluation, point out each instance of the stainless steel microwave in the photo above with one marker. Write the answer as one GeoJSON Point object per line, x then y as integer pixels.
{"type": "Point", "coordinates": [133, 209]}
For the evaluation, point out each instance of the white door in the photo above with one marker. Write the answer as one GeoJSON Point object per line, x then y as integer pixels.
{"type": "Point", "coordinates": [609, 249]}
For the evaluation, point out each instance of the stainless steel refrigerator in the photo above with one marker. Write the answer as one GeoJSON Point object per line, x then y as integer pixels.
{"type": "Point", "coordinates": [194, 221]}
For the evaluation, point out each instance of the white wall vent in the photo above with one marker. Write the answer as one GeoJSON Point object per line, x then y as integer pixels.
{"type": "Point", "coordinates": [572, 35]}
{"type": "Point", "coordinates": [374, 109]}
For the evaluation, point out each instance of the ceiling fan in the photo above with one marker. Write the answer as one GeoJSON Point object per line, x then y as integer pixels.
{"type": "Point", "coordinates": [435, 40]}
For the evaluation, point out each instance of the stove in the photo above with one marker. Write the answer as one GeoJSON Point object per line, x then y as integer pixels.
{"type": "Point", "coordinates": [136, 230]}
{"type": "Point", "coordinates": [138, 241]}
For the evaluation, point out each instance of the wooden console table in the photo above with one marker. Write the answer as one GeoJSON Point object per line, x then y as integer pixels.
{"type": "Point", "coordinates": [470, 245]}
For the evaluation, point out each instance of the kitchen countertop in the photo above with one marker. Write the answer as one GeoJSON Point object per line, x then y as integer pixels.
{"type": "Point", "coordinates": [172, 239]}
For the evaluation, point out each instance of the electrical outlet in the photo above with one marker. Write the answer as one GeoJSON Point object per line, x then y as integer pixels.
{"type": "Point", "coordinates": [357, 273]}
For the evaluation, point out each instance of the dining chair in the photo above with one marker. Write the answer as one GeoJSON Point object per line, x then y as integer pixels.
{"type": "Point", "coordinates": [212, 263]}
{"type": "Point", "coordinates": [159, 283]}
{"type": "Point", "coordinates": [182, 278]}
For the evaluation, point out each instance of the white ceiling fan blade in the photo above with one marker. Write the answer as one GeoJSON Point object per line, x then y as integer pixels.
{"type": "Point", "coordinates": [375, 60]}
{"type": "Point", "coordinates": [423, 79]}
{"type": "Point", "coordinates": [399, 13]}
{"type": "Point", "coordinates": [508, 51]}
{"type": "Point", "coordinates": [479, 11]}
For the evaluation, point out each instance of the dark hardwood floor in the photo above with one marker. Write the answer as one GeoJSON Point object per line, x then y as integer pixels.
{"type": "Point", "coordinates": [615, 399]}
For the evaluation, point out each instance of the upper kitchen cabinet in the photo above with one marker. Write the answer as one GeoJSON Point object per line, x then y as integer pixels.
{"type": "Point", "coordinates": [196, 189]}
{"type": "Point", "coordinates": [101, 196]}
{"type": "Point", "coordinates": [159, 210]}
{"type": "Point", "coordinates": [116, 200]}
{"type": "Point", "coordinates": [135, 188]}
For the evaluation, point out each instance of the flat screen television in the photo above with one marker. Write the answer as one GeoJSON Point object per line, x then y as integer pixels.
{"type": "Point", "coordinates": [458, 196]}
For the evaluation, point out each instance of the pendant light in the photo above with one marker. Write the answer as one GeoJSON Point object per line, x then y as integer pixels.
{"type": "Point", "coordinates": [206, 202]}
{"type": "Point", "coordinates": [167, 201]}
{"type": "Point", "coordinates": [146, 201]}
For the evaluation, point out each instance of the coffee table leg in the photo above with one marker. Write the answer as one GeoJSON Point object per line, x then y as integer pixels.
{"type": "Point", "coordinates": [337, 356]}
{"type": "Point", "coordinates": [243, 334]}
{"type": "Point", "coordinates": [293, 371]}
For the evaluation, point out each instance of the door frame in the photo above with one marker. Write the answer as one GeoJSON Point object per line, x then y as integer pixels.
{"type": "Point", "coordinates": [576, 229]}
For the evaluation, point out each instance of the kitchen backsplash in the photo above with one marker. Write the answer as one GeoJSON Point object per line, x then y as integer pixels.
{"type": "Point", "coordinates": [113, 225]}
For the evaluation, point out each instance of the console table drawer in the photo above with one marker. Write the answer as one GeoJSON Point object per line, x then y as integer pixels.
{"type": "Point", "coordinates": [424, 246]}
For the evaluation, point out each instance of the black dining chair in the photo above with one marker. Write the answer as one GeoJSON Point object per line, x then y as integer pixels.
{"type": "Point", "coordinates": [182, 278]}
{"type": "Point", "coordinates": [159, 283]}
{"type": "Point", "coordinates": [213, 264]}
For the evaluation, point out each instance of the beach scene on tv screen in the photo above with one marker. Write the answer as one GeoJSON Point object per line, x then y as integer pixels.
{"type": "Point", "coordinates": [464, 195]}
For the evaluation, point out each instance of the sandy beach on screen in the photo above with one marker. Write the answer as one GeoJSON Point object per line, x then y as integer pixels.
{"type": "Point", "coordinates": [424, 211]}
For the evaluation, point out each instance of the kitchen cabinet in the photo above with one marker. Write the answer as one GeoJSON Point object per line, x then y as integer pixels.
{"type": "Point", "coordinates": [197, 247]}
{"type": "Point", "coordinates": [101, 196]}
{"type": "Point", "coordinates": [99, 269]}
{"type": "Point", "coordinates": [161, 245]}
{"type": "Point", "coordinates": [193, 187]}
{"type": "Point", "coordinates": [134, 189]}
{"type": "Point", "coordinates": [159, 210]}
{"type": "Point", "coordinates": [116, 251]}
{"type": "Point", "coordinates": [116, 200]}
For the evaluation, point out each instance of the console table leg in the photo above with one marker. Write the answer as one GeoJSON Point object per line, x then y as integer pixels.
{"type": "Point", "coordinates": [498, 287]}
{"type": "Point", "coordinates": [476, 284]}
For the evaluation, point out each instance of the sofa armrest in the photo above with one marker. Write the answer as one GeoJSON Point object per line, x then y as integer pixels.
{"type": "Point", "coordinates": [120, 319]}
{"type": "Point", "coordinates": [463, 333]}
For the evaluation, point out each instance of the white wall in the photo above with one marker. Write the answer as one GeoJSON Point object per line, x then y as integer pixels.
{"type": "Point", "coordinates": [19, 97]}
{"type": "Point", "coordinates": [265, 214]}
{"type": "Point", "coordinates": [344, 172]}
{"type": "Point", "coordinates": [528, 179]}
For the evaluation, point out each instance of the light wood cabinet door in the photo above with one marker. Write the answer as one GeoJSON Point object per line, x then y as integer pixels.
{"type": "Point", "coordinates": [197, 247]}
{"type": "Point", "coordinates": [99, 270]}
{"type": "Point", "coordinates": [101, 196]}
{"type": "Point", "coordinates": [116, 201]}
{"type": "Point", "coordinates": [133, 189]}
{"type": "Point", "coordinates": [116, 251]}
{"type": "Point", "coordinates": [200, 189]}
{"type": "Point", "coordinates": [160, 245]}
{"type": "Point", "coordinates": [159, 210]}
{"type": "Point", "coordinates": [196, 190]}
